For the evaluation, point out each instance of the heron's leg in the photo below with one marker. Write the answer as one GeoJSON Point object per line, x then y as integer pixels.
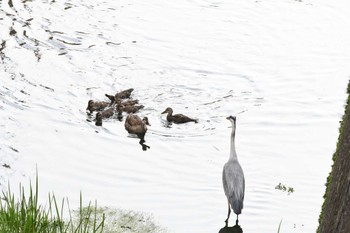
{"type": "Point", "coordinates": [228, 214]}
{"type": "Point", "coordinates": [237, 220]}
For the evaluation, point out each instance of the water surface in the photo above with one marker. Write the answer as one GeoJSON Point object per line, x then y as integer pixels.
{"type": "Point", "coordinates": [280, 66]}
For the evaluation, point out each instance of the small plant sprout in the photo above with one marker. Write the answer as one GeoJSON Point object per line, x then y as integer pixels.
{"type": "Point", "coordinates": [284, 188]}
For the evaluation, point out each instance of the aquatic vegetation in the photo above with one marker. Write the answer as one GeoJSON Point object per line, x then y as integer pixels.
{"type": "Point", "coordinates": [119, 220]}
{"type": "Point", "coordinates": [284, 188]}
{"type": "Point", "coordinates": [25, 214]}
{"type": "Point", "coordinates": [279, 226]}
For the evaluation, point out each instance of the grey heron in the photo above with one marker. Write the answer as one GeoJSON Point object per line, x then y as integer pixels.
{"type": "Point", "coordinates": [233, 178]}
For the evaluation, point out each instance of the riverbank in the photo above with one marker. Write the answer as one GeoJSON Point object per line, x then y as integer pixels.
{"type": "Point", "coordinates": [335, 215]}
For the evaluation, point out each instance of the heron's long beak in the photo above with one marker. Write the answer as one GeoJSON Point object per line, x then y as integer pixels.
{"type": "Point", "coordinates": [231, 118]}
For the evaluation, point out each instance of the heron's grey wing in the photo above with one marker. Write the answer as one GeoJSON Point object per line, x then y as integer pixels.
{"type": "Point", "coordinates": [234, 184]}
{"type": "Point", "coordinates": [225, 183]}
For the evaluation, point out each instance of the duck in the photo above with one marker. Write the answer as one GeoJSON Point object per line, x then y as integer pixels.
{"type": "Point", "coordinates": [135, 125]}
{"type": "Point", "coordinates": [104, 115]}
{"type": "Point", "coordinates": [128, 108]}
{"type": "Point", "coordinates": [126, 102]}
{"type": "Point", "coordinates": [125, 94]}
{"type": "Point", "coordinates": [97, 105]}
{"type": "Point", "coordinates": [177, 118]}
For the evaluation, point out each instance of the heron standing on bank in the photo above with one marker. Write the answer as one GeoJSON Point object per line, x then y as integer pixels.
{"type": "Point", "coordinates": [233, 178]}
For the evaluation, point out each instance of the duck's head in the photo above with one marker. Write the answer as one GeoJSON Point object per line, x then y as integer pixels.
{"type": "Point", "coordinates": [145, 119]}
{"type": "Point", "coordinates": [119, 108]}
{"type": "Point", "coordinates": [98, 119]}
{"type": "Point", "coordinates": [90, 104]}
{"type": "Point", "coordinates": [168, 110]}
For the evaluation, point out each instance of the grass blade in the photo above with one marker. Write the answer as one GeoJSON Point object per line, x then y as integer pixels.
{"type": "Point", "coordinates": [279, 226]}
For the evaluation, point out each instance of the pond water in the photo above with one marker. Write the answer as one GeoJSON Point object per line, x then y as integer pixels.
{"type": "Point", "coordinates": [280, 66]}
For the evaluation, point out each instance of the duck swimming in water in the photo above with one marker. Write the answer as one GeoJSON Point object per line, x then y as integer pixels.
{"type": "Point", "coordinates": [134, 124]}
{"type": "Point", "coordinates": [126, 102]}
{"type": "Point", "coordinates": [104, 115]}
{"type": "Point", "coordinates": [128, 108]}
{"type": "Point", "coordinates": [120, 95]}
{"type": "Point", "coordinates": [177, 118]}
{"type": "Point", "coordinates": [97, 105]}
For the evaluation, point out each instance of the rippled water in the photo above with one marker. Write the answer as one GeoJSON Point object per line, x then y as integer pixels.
{"type": "Point", "coordinates": [280, 66]}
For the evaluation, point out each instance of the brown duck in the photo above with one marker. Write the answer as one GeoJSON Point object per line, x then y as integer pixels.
{"type": "Point", "coordinates": [97, 105]}
{"type": "Point", "coordinates": [177, 118]}
{"type": "Point", "coordinates": [126, 102]}
{"type": "Point", "coordinates": [104, 115]}
{"type": "Point", "coordinates": [128, 108]}
{"type": "Point", "coordinates": [134, 124]}
{"type": "Point", "coordinates": [120, 95]}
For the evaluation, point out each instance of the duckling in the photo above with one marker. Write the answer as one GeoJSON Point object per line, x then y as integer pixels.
{"type": "Point", "coordinates": [128, 108]}
{"type": "Point", "coordinates": [124, 94]}
{"type": "Point", "coordinates": [126, 102]}
{"type": "Point", "coordinates": [120, 95]}
{"type": "Point", "coordinates": [97, 105]}
{"type": "Point", "coordinates": [135, 125]}
{"type": "Point", "coordinates": [177, 118]}
{"type": "Point", "coordinates": [104, 115]}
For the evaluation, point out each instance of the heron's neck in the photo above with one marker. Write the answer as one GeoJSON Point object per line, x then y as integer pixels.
{"type": "Point", "coordinates": [233, 155]}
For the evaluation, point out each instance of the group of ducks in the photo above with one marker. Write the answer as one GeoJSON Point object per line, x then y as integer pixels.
{"type": "Point", "coordinates": [122, 102]}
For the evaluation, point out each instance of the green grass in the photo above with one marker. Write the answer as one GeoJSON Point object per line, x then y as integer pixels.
{"type": "Point", "coordinates": [279, 226]}
{"type": "Point", "coordinates": [25, 215]}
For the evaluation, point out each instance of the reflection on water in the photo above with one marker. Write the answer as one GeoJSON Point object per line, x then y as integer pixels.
{"type": "Point", "coordinates": [142, 143]}
{"type": "Point", "coordinates": [235, 229]}
{"type": "Point", "coordinates": [3, 45]}
{"type": "Point", "coordinates": [208, 59]}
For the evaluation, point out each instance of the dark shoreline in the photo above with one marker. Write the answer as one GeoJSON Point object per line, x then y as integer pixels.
{"type": "Point", "coordinates": [335, 214]}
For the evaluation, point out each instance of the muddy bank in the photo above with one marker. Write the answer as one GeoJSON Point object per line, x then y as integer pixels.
{"type": "Point", "coordinates": [335, 216]}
